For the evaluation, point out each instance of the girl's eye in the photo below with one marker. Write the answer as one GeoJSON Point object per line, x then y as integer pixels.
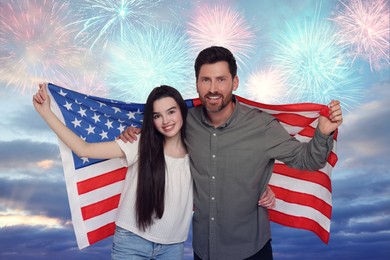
{"type": "Point", "coordinates": [171, 112]}
{"type": "Point", "coordinates": [156, 116]}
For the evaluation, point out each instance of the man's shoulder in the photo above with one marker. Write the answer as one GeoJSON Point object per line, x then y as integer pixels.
{"type": "Point", "coordinates": [250, 112]}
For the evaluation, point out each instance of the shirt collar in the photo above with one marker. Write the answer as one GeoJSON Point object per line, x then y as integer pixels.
{"type": "Point", "coordinates": [207, 122]}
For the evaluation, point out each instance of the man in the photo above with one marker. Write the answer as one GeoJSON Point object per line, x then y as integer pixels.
{"type": "Point", "coordinates": [232, 150]}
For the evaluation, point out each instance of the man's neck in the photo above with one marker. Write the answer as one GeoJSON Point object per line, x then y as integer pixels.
{"type": "Point", "coordinates": [219, 118]}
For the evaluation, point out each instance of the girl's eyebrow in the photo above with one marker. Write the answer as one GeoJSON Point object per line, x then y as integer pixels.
{"type": "Point", "coordinates": [174, 107]}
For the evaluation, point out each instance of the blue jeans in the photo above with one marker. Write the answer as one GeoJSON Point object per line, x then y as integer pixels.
{"type": "Point", "coordinates": [130, 246]}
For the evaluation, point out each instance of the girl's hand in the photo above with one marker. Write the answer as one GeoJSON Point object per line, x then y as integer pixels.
{"type": "Point", "coordinates": [41, 99]}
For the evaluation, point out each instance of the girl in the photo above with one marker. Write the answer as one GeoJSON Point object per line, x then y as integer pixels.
{"type": "Point", "coordinates": [156, 204]}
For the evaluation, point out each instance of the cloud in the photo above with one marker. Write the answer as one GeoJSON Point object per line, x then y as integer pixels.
{"type": "Point", "coordinates": [363, 142]}
{"type": "Point", "coordinates": [26, 154]}
{"type": "Point", "coordinates": [24, 242]}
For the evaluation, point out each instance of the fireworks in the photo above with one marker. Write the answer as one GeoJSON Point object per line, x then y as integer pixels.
{"type": "Point", "coordinates": [35, 46]}
{"type": "Point", "coordinates": [266, 86]}
{"type": "Point", "coordinates": [223, 27]}
{"type": "Point", "coordinates": [364, 29]}
{"type": "Point", "coordinates": [110, 20]}
{"type": "Point", "coordinates": [315, 66]}
{"type": "Point", "coordinates": [153, 56]}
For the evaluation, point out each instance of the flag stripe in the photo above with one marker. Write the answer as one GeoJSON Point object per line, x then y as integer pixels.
{"type": "Point", "coordinates": [294, 119]}
{"type": "Point", "coordinates": [299, 222]}
{"type": "Point", "coordinates": [101, 180]}
{"type": "Point", "coordinates": [315, 177]}
{"type": "Point", "coordinates": [303, 199]}
{"type": "Point", "coordinates": [100, 207]}
{"type": "Point", "coordinates": [101, 233]}
{"type": "Point", "coordinates": [298, 107]}
{"type": "Point", "coordinates": [301, 186]}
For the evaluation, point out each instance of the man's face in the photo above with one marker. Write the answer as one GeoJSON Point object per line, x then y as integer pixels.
{"type": "Point", "coordinates": [215, 86]}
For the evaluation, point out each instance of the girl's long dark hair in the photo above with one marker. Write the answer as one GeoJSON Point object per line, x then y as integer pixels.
{"type": "Point", "coordinates": [151, 161]}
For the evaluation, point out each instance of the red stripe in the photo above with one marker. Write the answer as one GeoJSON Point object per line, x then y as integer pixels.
{"type": "Point", "coordinates": [101, 233]}
{"type": "Point", "coordinates": [315, 176]}
{"type": "Point", "coordinates": [299, 222]}
{"type": "Point", "coordinates": [299, 107]}
{"type": "Point", "coordinates": [307, 131]}
{"type": "Point", "coordinates": [294, 119]}
{"type": "Point", "coordinates": [100, 207]}
{"type": "Point", "coordinates": [303, 199]}
{"type": "Point", "coordinates": [196, 102]}
{"type": "Point", "coordinates": [332, 159]}
{"type": "Point", "coordinates": [101, 180]}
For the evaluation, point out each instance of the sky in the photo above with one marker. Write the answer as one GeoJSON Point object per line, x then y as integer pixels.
{"type": "Point", "coordinates": [287, 52]}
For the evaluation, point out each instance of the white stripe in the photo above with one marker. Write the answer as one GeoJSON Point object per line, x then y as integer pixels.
{"type": "Point", "coordinates": [101, 193]}
{"type": "Point", "coordinates": [291, 129]}
{"type": "Point", "coordinates": [101, 220]}
{"type": "Point", "coordinates": [301, 186]}
{"type": "Point", "coordinates": [71, 187]}
{"type": "Point", "coordinates": [302, 211]}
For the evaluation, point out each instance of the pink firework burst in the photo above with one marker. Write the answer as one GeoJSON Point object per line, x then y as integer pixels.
{"type": "Point", "coordinates": [364, 28]}
{"type": "Point", "coordinates": [220, 26]}
{"type": "Point", "coordinates": [35, 44]}
{"type": "Point", "coordinates": [267, 86]}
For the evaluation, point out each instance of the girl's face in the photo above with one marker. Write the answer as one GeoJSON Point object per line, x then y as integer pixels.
{"type": "Point", "coordinates": [167, 117]}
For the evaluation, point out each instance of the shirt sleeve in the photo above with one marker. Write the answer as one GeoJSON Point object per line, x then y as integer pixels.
{"type": "Point", "coordinates": [301, 155]}
{"type": "Point", "coordinates": [130, 150]}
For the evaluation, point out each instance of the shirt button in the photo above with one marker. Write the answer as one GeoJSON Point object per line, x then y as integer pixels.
{"type": "Point", "coordinates": [214, 134]}
{"type": "Point", "coordinates": [213, 155]}
{"type": "Point", "coordinates": [213, 177]}
{"type": "Point", "coordinates": [212, 219]}
{"type": "Point", "coordinates": [212, 198]}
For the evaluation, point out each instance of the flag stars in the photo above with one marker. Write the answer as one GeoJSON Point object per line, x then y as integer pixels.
{"type": "Point", "coordinates": [96, 118]}
{"type": "Point", "coordinates": [62, 93]}
{"type": "Point", "coordinates": [117, 110]}
{"type": "Point", "coordinates": [131, 115]}
{"type": "Point", "coordinates": [121, 128]}
{"type": "Point", "coordinates": [68, 106]}
{"type": "Point", "coordinates": [76, 123]}
{"type": "Point", "coordinates": [103, 134]}
{"type": "Point", "coordinates": [90, 129]}
{"type": "Point", "coordinates": [101, 104]}
{"type": "Point", "coordinates": [109, 124]}
{"type": "Point", "coordinates": [85, 160]}
{"type": "Point", "coordinates": [82, 112]}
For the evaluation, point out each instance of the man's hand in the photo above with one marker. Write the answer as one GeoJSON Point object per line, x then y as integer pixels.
{"type": "Point", "coordinates": [329, 124]}
{"type": "Point", "coordinates": [130, 134]}
{"type": "Point", "coordinates": [267, 200]}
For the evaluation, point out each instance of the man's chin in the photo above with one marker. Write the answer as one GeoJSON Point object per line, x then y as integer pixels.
{"type": "Point", "coordinates": [213, 109]}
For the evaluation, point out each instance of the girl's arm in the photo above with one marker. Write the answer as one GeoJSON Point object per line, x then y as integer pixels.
{"type": "Point", "coordinates": [102, 150]}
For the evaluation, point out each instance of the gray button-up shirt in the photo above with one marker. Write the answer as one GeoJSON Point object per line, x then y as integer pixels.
{"type": "Point", "coordinates": [231, 166]}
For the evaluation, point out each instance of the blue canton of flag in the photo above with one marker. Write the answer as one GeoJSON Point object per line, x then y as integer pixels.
{"type": "Point", "coordinates": [95, 119]}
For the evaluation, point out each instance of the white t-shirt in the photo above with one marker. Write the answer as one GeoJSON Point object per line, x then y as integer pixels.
{"type": "Point", "coordinates": [174, 225]}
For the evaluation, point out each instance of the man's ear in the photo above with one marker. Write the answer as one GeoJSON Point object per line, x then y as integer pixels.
{"type": "Point", "coordinates": [235, 83]}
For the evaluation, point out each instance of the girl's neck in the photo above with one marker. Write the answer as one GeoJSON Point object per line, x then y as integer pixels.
{"type": "Point", "coordinates": [174, 147]}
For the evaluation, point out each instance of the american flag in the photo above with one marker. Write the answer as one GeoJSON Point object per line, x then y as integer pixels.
{"type": "Point", "coordinates": [303, 199]}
